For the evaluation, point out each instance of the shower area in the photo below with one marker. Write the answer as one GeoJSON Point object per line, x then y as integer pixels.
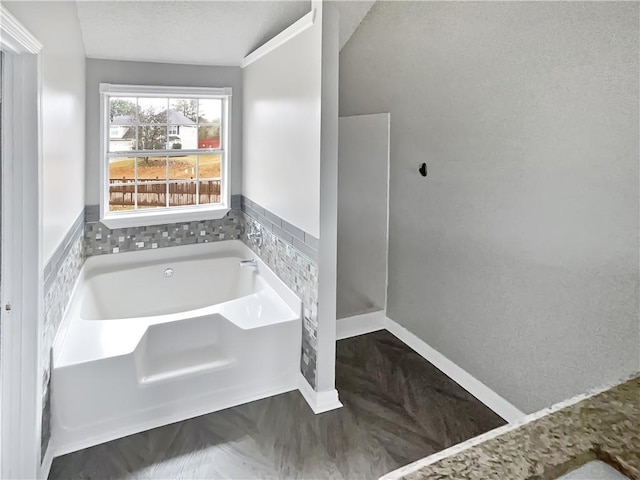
{"type": "Point", "coordinates": [363, 216]}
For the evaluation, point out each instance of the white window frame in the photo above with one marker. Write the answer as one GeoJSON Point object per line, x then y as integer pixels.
{"type": "Point", "coordinates": [163, 215]}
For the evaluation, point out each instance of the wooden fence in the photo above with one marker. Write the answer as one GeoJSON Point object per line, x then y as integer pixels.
{"type": "Point", "coordinates": [155, 195]}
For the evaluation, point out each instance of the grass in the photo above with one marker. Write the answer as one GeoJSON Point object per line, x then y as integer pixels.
{"type": "Point", "coordinates": [180, 168]}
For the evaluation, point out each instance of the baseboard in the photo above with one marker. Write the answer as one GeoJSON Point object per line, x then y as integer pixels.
{"type": "Point", "coordinates": [45, 466]}
{"type": "Point", "coordinates": [360, 324]}
{"type": "Point", "coordinates": [319, 402]}
{"type": "Point", "coordinates": [471, 384]}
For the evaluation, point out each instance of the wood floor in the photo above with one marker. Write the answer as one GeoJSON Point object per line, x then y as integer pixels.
{"type": "Point", "coordinates": [397, 408]}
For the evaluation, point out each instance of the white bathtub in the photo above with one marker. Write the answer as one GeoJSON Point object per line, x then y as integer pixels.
{"type": "Point", "coordinates": [157, 336]}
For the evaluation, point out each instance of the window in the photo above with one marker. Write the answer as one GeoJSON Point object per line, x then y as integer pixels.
{"type": "Point", "coordinates": [165, 154]}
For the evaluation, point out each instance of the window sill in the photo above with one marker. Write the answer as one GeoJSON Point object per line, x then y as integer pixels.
{"type": "Point", "coordinates": [162, 217]}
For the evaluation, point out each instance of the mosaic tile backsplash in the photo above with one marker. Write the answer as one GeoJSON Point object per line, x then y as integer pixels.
{"type": "Point", "coordinates": [61, 273]}
{"type": "Point", "coordinates": [300, 273]}
{"type": "Point", "coordinates": [100, 239]}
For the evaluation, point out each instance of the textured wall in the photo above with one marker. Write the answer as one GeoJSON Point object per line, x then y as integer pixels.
{"type": "Point", "coordinates": [517, 257]}
{"type": "Point", "coordinates": [363, 202]}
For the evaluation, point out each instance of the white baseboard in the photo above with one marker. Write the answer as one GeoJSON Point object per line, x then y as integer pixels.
{"type": "Point", "coordinates": [360, 324]}
{"type": "Point", "coordinates": [319, 402]}
{"type": "Point", "coordinates": [45, 467]}
{"type": "Point", "coordinates": [471, 384]}
{"type": "Point", "coordinates": [374, 321]}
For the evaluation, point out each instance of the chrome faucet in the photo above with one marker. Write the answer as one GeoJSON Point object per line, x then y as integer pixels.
{"type": "Point", "coordinates": [249, 263]}
{"type": "Point", "coordinates": [255, 235]}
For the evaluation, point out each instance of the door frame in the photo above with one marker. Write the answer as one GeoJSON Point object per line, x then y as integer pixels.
{"type": "Point", "coordinates": [21, 284]}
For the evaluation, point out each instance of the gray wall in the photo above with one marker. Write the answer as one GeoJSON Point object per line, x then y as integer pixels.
{"type": "Point", "coordinates": [143, 73]}
{"type": "Point", "coordinates": [363, 203]}
{"type": "Point", "coordinates": [517, 257]}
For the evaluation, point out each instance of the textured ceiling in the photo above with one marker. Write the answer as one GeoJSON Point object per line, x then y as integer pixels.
{"type": "Point", "coordinates": [191, 32]}
{"type": "Point", "coordinates": [195, 32]}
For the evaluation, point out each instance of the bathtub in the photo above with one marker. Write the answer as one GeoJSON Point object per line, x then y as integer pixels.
{"type": "Point", "coordinates": [157, 336]}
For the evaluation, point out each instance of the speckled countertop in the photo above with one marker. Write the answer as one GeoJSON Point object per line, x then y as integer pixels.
{"type": "Point", "coordinates": [547, 444]}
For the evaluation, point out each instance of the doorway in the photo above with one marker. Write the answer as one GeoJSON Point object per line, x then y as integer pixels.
{"type": "Point", "coordinates": [363, 223]}
{"type": "Point", "coordinates": [21, 272]}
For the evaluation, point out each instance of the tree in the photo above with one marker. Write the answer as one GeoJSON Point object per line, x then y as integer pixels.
{"type": "Point", "coordinates": [189, 108]}
{"type": "Point", "coordinates": [120, 107]}
{"type": "Point", "coordinates": [152, 137]}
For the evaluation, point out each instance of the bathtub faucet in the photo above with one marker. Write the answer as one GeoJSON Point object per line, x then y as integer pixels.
{"type": "Point", "coordinates": [249, 263]}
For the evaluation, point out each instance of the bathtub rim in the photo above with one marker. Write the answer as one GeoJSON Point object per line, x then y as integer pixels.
{"type": "Point", "coordinates": [259, 284]}
{"type": "Point", "coordinates": [185, 251]}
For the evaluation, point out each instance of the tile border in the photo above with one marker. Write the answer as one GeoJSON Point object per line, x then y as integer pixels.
{"type": "Point", "coordinates": [54, 264]}
{"type": "Point", "coordinates": [302, 241]}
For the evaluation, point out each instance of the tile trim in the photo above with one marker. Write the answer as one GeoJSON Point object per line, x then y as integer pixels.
{"type": "Point", "coordinates": [302, 241]}
{"type": "Point", "coordinates": [52, 267]}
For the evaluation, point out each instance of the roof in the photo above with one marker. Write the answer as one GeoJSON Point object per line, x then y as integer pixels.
{"type": "Point", "coordinates": [177, 118]}
{"type": "Point", "coordinates": [122, 120]}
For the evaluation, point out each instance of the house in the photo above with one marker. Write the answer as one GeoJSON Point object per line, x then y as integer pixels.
{"type": "Point", "coordinates": [121, 134]}
{"type": "Point", "coordinates": [182, 132]}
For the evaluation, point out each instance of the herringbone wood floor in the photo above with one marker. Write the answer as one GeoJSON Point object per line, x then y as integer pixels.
{"type": "Point", "coordinates": [397, 408]}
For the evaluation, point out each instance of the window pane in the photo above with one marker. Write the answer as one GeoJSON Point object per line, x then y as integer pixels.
{"type": "Point", "coordinates": [182, 193]}
{"type": "Point", "coordinates": [209, 166]}
{"type": "Point", "coordinates": [183, 137]}
{"type": "Point", "coordinates": [152, 137]}
{"type": "Point", "coordinates": [182, 168]}
{"type": "Point", "coordinates": [209, 111]}
{"type": "Point", "coordinates": [165, 129]}
{"type": "Point", "coordinates": [183, 111]}
{"type": "Point", "coordinates": [152, 195]}
{"type": "Point", "coordinates": [121, 197]}
{"type": "Point", "coordinates": [122, 110]}
{"type": "Point", "coordinates": [208, 136]}
{"type": "Point", "coordinates": [152, 168]}
{"type": "Point", "coordinates": [209, 191]}
{"type": "Point", "coordinates": [121, 170]}
{"type": "Point", "coordinates": [152, 110]}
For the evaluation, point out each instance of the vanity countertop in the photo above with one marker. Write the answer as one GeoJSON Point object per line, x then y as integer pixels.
{"type": "Point", "coordinates": [547, 444]}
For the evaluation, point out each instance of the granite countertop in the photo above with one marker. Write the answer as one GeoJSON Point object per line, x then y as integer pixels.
{"type": "Point", "coordinates": [547, 444]}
